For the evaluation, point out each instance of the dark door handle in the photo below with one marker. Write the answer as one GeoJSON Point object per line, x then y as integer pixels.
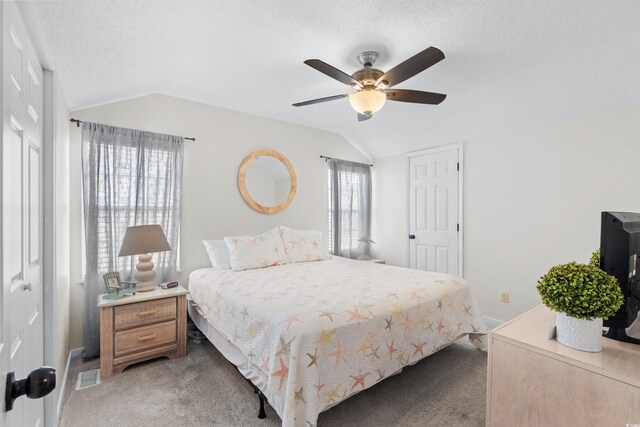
{"type": "Point", "coordinates": [412, 236]}
{"type": "Point", "coordinates": [38, 384]}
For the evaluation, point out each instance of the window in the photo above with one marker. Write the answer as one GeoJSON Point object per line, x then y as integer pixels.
{"type": "Point", "coordinates": [349, 212]}
{"type": "Point", "coordinates": [139, 193]}
{"type": "Point", "coordinates": [131, 178]}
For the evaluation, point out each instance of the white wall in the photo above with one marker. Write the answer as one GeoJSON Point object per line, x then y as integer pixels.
{"type": "Point", "coordinates": [76, 294]}
{"type": "Point", "coordinates": [532, 200]}
{"type": "Point", "coordinates": [212, 206]}
{"type": "Point", "coordinates": [62, 226]}
{"type": "Point", "coordinates": [389, 210]}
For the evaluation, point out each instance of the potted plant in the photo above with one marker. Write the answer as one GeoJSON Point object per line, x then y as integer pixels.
{"type": "Point", "coordinates": [581, 295]}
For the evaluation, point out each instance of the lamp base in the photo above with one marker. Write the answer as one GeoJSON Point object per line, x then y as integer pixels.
{"type": "Point", "coordinates": [145, 275]}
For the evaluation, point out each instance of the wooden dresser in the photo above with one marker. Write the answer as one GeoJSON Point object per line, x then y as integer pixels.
{"type": "Point", "coordinates": [141, 327]}
{"type": "Point", "coordinates": [535, 381]}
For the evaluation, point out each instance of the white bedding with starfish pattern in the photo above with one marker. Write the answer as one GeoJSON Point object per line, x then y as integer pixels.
{"type": "Point", "coordinates": [323, 331]}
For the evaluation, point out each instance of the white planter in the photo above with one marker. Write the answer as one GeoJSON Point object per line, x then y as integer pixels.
{"type": "Point", "coordinates": [581, 334]}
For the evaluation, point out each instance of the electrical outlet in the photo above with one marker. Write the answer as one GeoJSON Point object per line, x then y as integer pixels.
{"type": "Point", "coordinates": [504, 297]}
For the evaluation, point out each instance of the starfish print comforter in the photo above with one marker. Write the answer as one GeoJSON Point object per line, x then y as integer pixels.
{"type": "Point", "coordinates": [323, 331]}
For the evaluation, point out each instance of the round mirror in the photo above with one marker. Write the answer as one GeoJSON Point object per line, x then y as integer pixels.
{"type": "Point", "coordinates": [267, 181]}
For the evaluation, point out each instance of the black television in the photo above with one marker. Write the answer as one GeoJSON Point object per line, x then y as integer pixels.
{"type": "Point", "coordinates": [620, 257]}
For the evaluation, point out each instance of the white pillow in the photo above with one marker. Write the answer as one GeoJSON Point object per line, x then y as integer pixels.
{"type": "Point", "coordinates": [303, 245]}
{"type": "Point", "coordinates": [218, 254]}
{"type": "Point", "coordinates": [262, 250]}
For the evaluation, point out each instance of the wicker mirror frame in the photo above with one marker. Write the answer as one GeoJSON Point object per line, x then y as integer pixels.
{"type": "Point", "coordinates": [242, 182]}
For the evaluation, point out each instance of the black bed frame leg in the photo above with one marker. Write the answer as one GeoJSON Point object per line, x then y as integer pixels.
{"type": "Point", "coordinates": [261, 414]}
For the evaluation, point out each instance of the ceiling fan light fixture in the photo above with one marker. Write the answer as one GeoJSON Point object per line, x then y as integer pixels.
{"type": "Point", "coordinates": [371, 86]}
{"type": "Point", "coordinates": [367, 101]}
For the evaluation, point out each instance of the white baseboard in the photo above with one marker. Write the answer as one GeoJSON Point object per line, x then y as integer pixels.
{"type": "Point", "coordinates": [491, 322]}
{"type": "Point", "coordinates": [73, 353]}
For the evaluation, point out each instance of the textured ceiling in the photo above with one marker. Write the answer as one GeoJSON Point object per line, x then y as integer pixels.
{"type": "Point", "coordinates": [509, 65]}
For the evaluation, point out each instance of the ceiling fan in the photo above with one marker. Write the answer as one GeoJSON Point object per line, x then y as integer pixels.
{"type": "Point", "coordinates": [371, 86]}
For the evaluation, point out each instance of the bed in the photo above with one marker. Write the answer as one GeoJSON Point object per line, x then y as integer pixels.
{"type": "Point", "coordinates": [309, 335]}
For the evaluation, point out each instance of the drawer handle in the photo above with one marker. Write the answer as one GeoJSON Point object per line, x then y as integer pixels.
{"type": "Point", "coordinates": [147, 337]}
{"type": "Point", "coordinates": [146, 313]}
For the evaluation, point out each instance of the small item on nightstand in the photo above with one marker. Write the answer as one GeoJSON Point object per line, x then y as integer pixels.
{"type": "Point", "coordinates": [117, 289]}
{"type": "Point", "coordinates": [366, 248]}
{"type": "Point", "coordinates": [168, 285]}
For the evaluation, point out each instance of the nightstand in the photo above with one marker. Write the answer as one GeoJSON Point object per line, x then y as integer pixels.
{"type": "Point", "coordinates": [142, 327]}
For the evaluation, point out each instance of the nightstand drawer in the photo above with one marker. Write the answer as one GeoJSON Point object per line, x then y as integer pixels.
{"type": "Point", "coordinates": [143, 338]}
{"type": "Point", "coordinates": [144, 313]}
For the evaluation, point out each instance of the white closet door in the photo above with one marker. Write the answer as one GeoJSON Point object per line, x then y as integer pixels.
{"type": "Point", "coordinates": [21, 296]}
{"type": "Point", "coordinates": [434, 189]}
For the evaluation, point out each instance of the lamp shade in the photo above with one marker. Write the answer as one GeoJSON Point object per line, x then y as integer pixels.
{"type": "Point", "coordinates": [367, 101]}
{"type": "Point", "coordinates": [144, 239]}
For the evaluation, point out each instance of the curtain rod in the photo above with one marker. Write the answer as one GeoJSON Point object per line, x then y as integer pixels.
{"type": "Point", "coordinates": [331, 158]}
{"type": "Point", "coordinates": [77, 122]}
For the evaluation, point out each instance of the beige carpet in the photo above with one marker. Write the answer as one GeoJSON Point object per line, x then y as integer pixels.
{"type": "Point", "coordinates": [203, 389]}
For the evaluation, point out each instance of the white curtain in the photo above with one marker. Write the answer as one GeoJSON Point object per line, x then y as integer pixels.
{"type": "Point", "coordinates": [130, 177]}
{"type": "Point", "coordinates": [349, 206]}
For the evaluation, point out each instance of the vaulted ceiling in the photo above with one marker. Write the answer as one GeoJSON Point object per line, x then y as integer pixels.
{"type": "Point", "coordinates": [509, 65]}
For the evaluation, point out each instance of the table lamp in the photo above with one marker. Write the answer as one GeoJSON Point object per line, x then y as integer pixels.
{"type": "Point", "coordinates": [142, 240]}
{"type": "Point", "coordinates": [366, 243]}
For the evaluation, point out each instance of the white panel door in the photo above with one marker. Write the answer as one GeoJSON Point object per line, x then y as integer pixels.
{"type": "Point", "coordinates": [433, 211]}
{"type": "Point", "coordinates": [21, 296]}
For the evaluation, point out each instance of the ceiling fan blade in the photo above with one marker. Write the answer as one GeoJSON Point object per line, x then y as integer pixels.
{"type": "Point", "coordinates": [363, 117]}
{"type": "Point", "coordinates": [319, 100]}
{"type": "Point", "coordinates": [415, 96]}
{"type": "Point", "coordinates": [332, 72]}
{"type": "Point", "coordinates": [412, 66]}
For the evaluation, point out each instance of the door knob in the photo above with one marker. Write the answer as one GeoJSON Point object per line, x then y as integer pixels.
{"type": "Point", "coordinates": [38, 384]}
{"type": "Point", "coordinates": [412, 236]}
{"type": "Point", "coordinates": [27, 286]}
